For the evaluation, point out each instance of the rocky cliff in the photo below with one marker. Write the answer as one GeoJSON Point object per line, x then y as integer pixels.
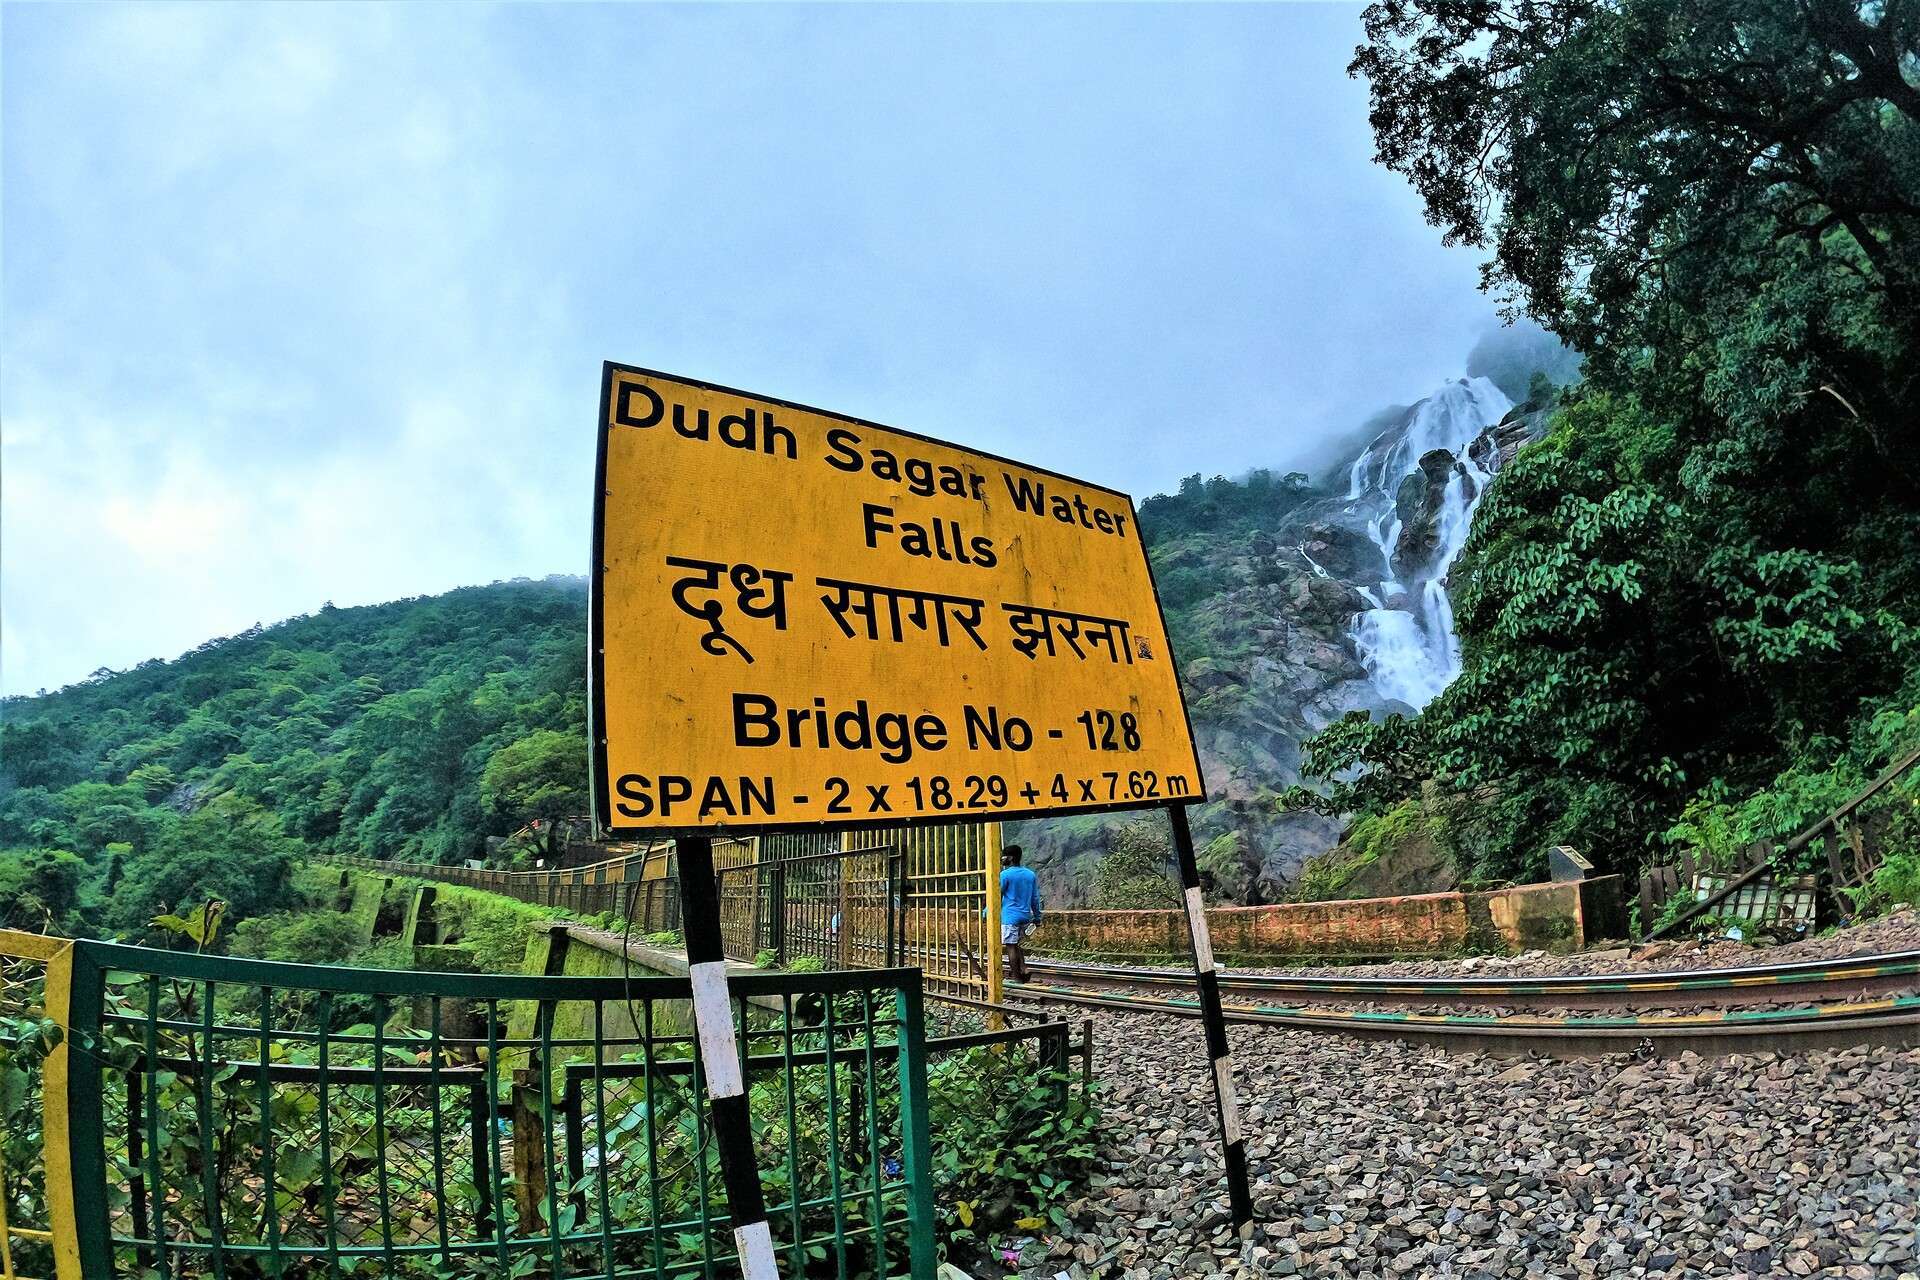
{"type": "Point", "coordinates": [1286, 601]}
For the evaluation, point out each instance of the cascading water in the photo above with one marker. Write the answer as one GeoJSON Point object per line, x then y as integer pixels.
{"type": "Point", "coordinates": [1407, 641]}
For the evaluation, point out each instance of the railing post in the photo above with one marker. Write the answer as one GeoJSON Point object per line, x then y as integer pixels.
{"type": "Point", "coordinates": [917, 1151]}
{"type": "Point", "coordinates": [990, 943]}
{"type": "Point", "coordinates": [75, 1126]}
{"type": "Point", "coordinates": [1052, 1051]}
{"type": "Point", "coordinates": [484, 1154]}
{"type": "Point", "coordinates": [529, 1141]}
{"type": "Point", "coordinates": [780, 913]}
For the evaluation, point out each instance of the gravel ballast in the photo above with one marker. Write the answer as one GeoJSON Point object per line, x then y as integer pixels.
{"type": "Point", "coordinates": [1382, 1159]}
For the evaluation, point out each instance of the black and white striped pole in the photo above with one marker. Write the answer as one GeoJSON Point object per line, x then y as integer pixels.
{"type": "Point", "coordinates": [720, 1056]}
{"type": "Point", "coordinates": [1239, 1193]}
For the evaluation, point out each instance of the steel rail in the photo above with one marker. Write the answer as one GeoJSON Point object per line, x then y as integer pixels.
{"type": "Point", "coordinates": [1891, 1021]}
{"type": "Point", "coordinates": [1858, 975]}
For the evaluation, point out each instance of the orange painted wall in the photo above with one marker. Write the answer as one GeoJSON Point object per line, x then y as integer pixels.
{"type": "Point", "coordinates": [1521, 918]}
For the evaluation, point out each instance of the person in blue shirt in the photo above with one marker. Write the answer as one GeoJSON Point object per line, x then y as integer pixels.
{"type": "Point", "coordinates": [1019, 909]}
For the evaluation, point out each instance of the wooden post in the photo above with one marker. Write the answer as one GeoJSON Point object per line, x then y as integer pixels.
{"type": "Point", "coordinates": [529, 1160]}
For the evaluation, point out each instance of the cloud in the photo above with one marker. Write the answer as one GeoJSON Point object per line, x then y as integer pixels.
{"type": "Point", "coordinates": [308, 303]}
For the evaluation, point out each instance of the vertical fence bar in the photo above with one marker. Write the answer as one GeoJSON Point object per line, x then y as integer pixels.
{"type": "Point", "coordinates": [546, 1011]}
{"type": "Point", "coordinates": [876, 1154]}
{"type": "Point", "coordinates": [600, 1134]}
{"type": "Point", "coordinates": [798, 1260]}
{"type": "Point", "coordinates": [916, 1156]}
{"type": "Point", "coordinates": [380, 1015]}
{"type": "Point", "coordinates": [990, 932]}
{"type": "Point", "coordinates": [653, 1139]}
{"type": "Point", "coordinates": [270, 1198]}
{"type": "Point", "coordinates": [439, 1141]}
{"type": "Point", "coordinates": [209, 1159]}
{"type": "Point", "coordinates": [324, 1014]}
{"type": "Point", "coordinates": [780, 913]}
{"type": "Point", "coordinates": [156, 1181]}
{"type": "Point", "coordinates": [833, 1151]}
{"type": "Point", "coordinates": [496, 1177]}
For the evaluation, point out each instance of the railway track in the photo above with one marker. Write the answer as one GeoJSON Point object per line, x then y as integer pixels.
{"type": "Point", "coordinates": [1807, 979]}
{"type": "Point", "coordinates": [1840, 1017]}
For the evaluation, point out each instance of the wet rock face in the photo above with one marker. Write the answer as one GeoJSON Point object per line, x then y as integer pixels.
{"type": "Point", "coordinates": [1273, 663]}
{"type": "Point", "coordinates": [1263, 621]}
{"type": "Point", "coordinates": [1418, 503]}
{"type": "Point", "coordinates": [1497, 445]}
{"type": "Point", "coordinates": [1343, 552]}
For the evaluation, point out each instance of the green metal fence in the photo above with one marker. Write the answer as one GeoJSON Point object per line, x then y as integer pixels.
{"type": "Point", "coordinates": [232, 1118]}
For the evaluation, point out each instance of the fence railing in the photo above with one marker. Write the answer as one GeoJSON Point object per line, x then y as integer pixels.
{"type": "Point", "coordinates": [634, 882]}
{"type": "Point", "coordinates": [848, 910]}
{"type": "Point", "coordinates": [924, 896]}
{"type": "Point", "coordinates": [1767, 888]}
{"type": "Point", "coordinates": [205, 1116]}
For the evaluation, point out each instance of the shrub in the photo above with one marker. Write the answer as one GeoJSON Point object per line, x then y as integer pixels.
{"type": "Point", "coordinates": [302, 937]}
{"type": "Point", "coordinates": [1007, 1156]}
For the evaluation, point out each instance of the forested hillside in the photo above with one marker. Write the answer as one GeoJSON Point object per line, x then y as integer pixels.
{"type": "Point", "coordinates": [1691, 615]}
{"type": "Point", "coordinates": [414, 730]}
{"type": "Point", "coordinates": [404, 730]}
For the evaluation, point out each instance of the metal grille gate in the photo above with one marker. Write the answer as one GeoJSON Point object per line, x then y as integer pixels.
{"type": "Point", "coordinates": [205, 1116]}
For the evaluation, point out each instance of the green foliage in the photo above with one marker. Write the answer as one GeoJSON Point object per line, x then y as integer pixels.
{"type": "Point", "coordinates": [1007, 1156]}
{"type": "Point", "coordinates": [231, 850]}
{"type": "Point", "coordinates": [304, 937]}
{"type": "Point", "coordinates": [201, 927]}
{"type": "Point", "coordinates": [1894, 883]}
{"type": "Point", "coordinates": [1136, 873]}
{"type": "Point", "coordinates": [40, 889]}
{"type": "Point", "coordinates": [1222, 506]}
{"type": "Point", "coordinates": [27, 1036]}
{"type": "Point", "coordinates": [543, 775]}
{"type": "Point", "coordinates": [495, 928]}
{"type": "Point", "coordinates": [1682, 610]}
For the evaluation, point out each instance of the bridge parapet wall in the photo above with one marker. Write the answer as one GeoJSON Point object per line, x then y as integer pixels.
{"type": "Point", "coordinates": [1551, 917]}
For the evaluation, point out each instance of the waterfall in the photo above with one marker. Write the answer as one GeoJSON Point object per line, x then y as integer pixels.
{"type": "Point", "coordinates": [1407, 641]}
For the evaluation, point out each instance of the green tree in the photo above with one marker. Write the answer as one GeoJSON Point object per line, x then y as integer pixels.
{"type": "Point", "coordinates": [40, 889]}
{"type": "Point", "coordinates": [543, 775]}
{"type": "Point", "coordinates": [1137, 871]}
{"type": "Point", "coordinates": [231, 850]}
{"type": "Point", "coordinates": [302, 937]}
{"type": "Point", "coordinates": [1710, 570]}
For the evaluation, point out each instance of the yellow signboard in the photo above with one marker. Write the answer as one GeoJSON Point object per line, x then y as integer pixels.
{"type": "Point", "coordinates": [801, 618]}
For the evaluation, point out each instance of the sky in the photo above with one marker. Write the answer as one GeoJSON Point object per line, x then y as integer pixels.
{"type": "Point", "coordinates": [304, 303]}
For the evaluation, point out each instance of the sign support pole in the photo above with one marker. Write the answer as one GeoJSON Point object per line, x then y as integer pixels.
{"type": "Point", "coordinates": [720, 1057]}
{"type": "Point", "coordinates": [1207, 978]}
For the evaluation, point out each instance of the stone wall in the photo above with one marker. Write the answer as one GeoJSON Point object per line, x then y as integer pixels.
{"type": "Point", "coordinates": [1550, 917]}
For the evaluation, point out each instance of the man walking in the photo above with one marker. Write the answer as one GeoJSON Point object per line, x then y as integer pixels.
{"type": "Point", "coordinates": [1019, 909]}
